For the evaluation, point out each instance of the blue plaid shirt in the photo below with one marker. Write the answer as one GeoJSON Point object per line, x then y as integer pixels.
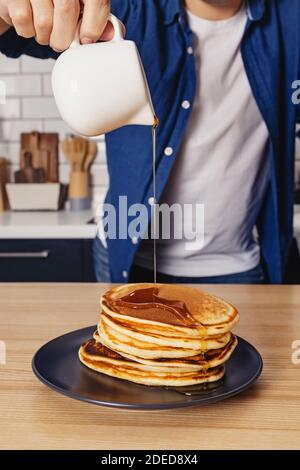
{"type": "Point", "coordinates": [271, 55]}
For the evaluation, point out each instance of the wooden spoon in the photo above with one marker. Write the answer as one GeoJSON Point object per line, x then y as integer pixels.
{"type": "Point", "coordinates": [75, 149]}
{"type": "Point", "coordinates": [92, 151]}
{"type": "Point", "coordinates": [80, 149]}
{"type": "Point", "coordinates": [67, 149]}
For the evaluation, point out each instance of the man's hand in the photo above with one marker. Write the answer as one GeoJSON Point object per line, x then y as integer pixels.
{"type": "Point", "coordinates": [54, 22]}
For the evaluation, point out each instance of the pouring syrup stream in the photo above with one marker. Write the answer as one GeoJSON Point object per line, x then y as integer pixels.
{"type": "Point", "coordinates": [154, 128]}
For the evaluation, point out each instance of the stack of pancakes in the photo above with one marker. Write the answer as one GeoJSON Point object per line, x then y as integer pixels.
{"type": "Point", "coordinates": [164, 335]}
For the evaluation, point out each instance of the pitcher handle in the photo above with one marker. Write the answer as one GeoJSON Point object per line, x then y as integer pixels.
{"type": "Point", "coordinates": [118, 36]}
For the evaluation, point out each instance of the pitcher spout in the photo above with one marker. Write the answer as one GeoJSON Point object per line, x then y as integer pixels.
{"type": "Point", "coordinates": [144, 117]}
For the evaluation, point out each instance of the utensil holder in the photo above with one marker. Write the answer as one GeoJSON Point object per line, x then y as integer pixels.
{"type": "Point", "coordinates": [34, 196]}
{"type": "Point", "coordinates": [79, 191]}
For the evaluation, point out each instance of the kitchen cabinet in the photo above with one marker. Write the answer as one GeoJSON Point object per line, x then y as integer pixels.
{"type": "Point", "coordinates": [46, 260]}
{"type": "Point", "coordinates": [47, 246]}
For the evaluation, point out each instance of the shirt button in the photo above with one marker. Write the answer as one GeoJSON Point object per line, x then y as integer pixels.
{"type": "Point", "coordinates": [125, 274]}
{"type": "Point", "coordinates": [168, 151]}
{"type": "Point", "coordinates": [151, 201]}
{"type": "Point", "coordinates": [135, 240]}
{"type": "Point", "coordinates": [186, 104]}
{"type": "Point", "coordinates": [190, 50]}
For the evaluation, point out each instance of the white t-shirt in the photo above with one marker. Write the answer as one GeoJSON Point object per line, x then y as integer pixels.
{"type": "Point", "coordinates": [222, 162]}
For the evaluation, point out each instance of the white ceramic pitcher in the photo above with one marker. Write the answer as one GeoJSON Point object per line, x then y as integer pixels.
{"type": "Point", "coordinates": [101, 87]}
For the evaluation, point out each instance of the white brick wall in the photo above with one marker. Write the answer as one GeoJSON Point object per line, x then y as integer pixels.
{"type": "Point", "coordinates": [23, 85]}
{"type": "Point", "coordinates": [30, 106]}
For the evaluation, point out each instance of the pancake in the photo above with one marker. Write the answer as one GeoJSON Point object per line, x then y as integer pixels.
{"type": "Point", "coordinates": [113, 365]}
{"type": "Point", "coordinates": [202, 361]}
{"type": "Point", "coordinates": [163, 308]}
{"type": "Point", "coordinates": [201, 344]}
{"type": "Point", "coordinates": [125, 344]}
{"type": "Point", "coordinates": [161, 335]}
{"type": "Point", "coordinates": [95, 351]}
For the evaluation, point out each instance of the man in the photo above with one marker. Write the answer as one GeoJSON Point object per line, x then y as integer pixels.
{"type": "Point", "coordinates": [222, 75]}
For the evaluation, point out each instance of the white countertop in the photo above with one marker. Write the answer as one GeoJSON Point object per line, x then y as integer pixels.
{"type": "Point", "coordinates": [55, 225]}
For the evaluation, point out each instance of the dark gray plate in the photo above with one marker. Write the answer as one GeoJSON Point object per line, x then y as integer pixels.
{"type": "Point", "coordinates": [57, 365]}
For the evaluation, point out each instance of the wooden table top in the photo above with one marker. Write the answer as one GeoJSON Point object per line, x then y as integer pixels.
{"type": "Point", "coordinates": [34, 417]}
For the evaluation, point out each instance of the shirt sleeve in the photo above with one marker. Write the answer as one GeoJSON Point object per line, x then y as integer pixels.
{"type": "Point", "coordinates": [14, 46]}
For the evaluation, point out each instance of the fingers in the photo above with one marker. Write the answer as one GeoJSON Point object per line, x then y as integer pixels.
{"type": "Point", "coordinates": [42, 20]}
{"type": "Point", "coordinates": [54, 22]}
{"type": "Point", "coordinates": [21, 17]}
{"type": "Point", "coordinates": [94, 20]}
{"type": "Point", "coordinates": [65, 19]}
{"type": "Point", "coordinates": [4, 15]}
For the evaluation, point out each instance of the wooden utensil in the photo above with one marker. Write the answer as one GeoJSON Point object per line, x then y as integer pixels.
{"type": "Point", "coordinates": [79, 185]}
{"type": "Point", "coordinates": [75, 149]}
{"type": "Point", "coordinates": [49, 144]}
{"type": "Point", "coordinates": [80, 156]}
{"type": "Point", "coordinates": [3, 181]}
{"type": "Point", "coordinates": [44, 150]}
{"type": "Point", "coordinates": [40, 157]}
{"type": "Point", "coordinates": [67, 150]}
{"type": "Point", "coordinates": [92, 151]}
{"type": "Point", "coordinates": [31, 143]}
{"type": "Point", "coordinates": [45, 163]}
{"type": "Point", "coordinates": [79, 152]}
{"type": "Point", "coordinates": [29, 174]}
